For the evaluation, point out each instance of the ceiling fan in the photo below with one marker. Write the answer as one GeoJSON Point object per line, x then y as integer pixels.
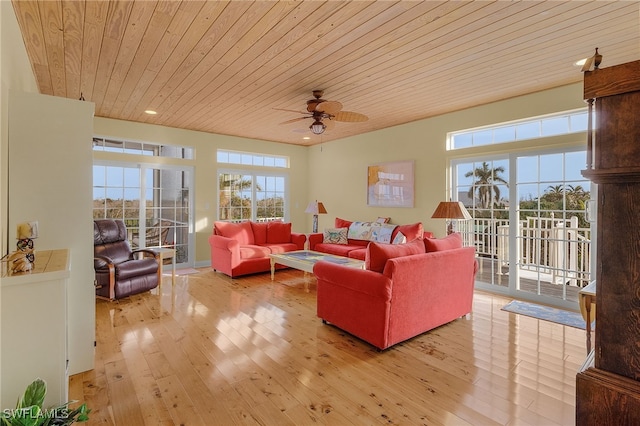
{"type": "Point", "coordinates": [325, 113]}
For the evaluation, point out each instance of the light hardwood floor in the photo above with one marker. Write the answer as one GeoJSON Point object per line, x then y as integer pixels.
{"type": "Point", "coordinates": [221, 351]}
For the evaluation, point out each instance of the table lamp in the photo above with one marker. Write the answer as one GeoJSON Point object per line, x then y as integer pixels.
{"type": "Point", "coordinates": [26, 233]}
{"type": "Point", "coordinates": [451, 210]}
{"type": "Point", "coordinates": [315, 208]}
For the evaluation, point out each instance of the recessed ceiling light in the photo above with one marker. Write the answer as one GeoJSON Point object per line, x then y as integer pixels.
{"type": "Point", "coordinates": [306, 138]}
{"type": "Point", "coordinates": [580, 63]}
{"type": "Point", "coordinates": [150, 112]}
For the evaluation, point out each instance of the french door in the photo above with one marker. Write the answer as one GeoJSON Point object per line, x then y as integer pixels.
{"type": "Point", "coordinates": [529, 227]}
{"type": "Point", "coordinates": [154, 201]}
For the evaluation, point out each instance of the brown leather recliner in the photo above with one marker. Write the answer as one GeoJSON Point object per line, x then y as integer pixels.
{"type": "Point", "coordinates": [120, 272]}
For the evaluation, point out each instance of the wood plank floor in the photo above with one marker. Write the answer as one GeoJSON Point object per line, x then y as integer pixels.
{"type": "Point", "coordinates": [219, 351]}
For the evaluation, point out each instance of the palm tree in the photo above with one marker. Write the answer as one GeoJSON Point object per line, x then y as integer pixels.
{"type": "Point", "coordinates": [486, 183]}
{"type": "Point", "coordinates": [230, 185]}
{"type": "Point", "coordinates": [554, 193]}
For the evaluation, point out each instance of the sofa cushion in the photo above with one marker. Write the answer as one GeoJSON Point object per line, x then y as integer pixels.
{"type": "Point", "coordinates": [411, 231]}
{"type": "Point", "coordinates": [278, 248]}
{"type": "Point", "coordinates": [337, 249]}
{"type": "Point", "coordinates": [278, 232]}
{"type": "Point", "coordinates": [240, 232]}
{"type": "Point", "coordinates": [378, 254]}
{"type": "Point", "coordinates": [136, 268]}
{"type": "Point", "coordinates": [335, 236]}
{"type": "Point", "coordinates": [341, 223]}
{"type": "Point", "coordinates": [254, 252]}
{"type": "Point", "coordinates": [360, 254]}
{"type": "Point", "coordinates": [451, 241]}
{"type": "Point", "coordinates": [259, 232]}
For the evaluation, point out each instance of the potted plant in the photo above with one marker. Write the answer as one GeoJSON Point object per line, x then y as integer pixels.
{"type": "Point", "coordinates": [29, 411]}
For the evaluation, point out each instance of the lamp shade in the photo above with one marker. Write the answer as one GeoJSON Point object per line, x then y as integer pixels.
{"type": "Point", "coordinates": [317, 127]}
{"type": "Point", "coordinates": [27, 230]}
{"type": "Point", "coordinates": [315, 207]}
{"type": "Point", "coordinates": [451, 210]}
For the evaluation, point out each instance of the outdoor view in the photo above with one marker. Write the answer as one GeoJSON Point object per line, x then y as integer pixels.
{"type": "Point", "coordinates": [152, 202]}
{"type": "Point", "coordinates": [551, 234]}
{"type": "Point", "coordinates": [256, 197]}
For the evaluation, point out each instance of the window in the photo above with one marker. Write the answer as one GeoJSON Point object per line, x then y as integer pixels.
{"type": "Point", "coordinates": [251, 196]}
{"type": "Point", "coordinates": [151, 197]}
{"type": "Point", "coordinates": [153, 202]}
{"type": "Point", "coordinates": [249, 159]}
{"type": "Point", "coordinates": [529, 228]}
{"type": "Point", "coordinates": [536, 127]}
{"type": "Point", "coordinates": [142, 148]}
{"type": "Point", "coordinates": [259, 196]}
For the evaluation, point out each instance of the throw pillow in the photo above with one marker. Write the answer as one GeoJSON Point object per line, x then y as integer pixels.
{"type": "Point", "coordinates": [278, 232]}
{"type": "Point", "coordinates": [411, 231]}
{"type": "Point", "coordinates": [240, 232]}
{"type": "Point", "coordinates": [451, 241]}
{"type": "Point", "coordinates": [378, 254]}
{"type": "Point", "coordinates": [259, 232]}
{"type": "Point", "coordinates": [335, 236]}
{"type": "Point", "coordinates": [341, 223]}
{"type": "Point", "coordinates": [399, 239]}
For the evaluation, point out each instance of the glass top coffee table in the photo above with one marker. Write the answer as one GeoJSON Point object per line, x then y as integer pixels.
{"type": "Point", "coordinates": [305, 259]}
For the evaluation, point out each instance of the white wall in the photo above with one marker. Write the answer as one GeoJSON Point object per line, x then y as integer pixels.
{"type": "Point", "coordinates": [15, 72]}
{"type": "Point", "coordinates": [50, 180]}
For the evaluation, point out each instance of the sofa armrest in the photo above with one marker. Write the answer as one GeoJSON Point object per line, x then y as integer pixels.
{"type": "Point", "coordinates": [299, 240]}
{"type": "Point", "coordinates": [355, 300]}
{"type": "Point", "coordinates": [315, 238]}
{"type": "Point", "coordinates": [144, 253]}
{"type": "Point", "coordinates": [357, 280]}
{"type": "Point", "coordinates": [224, 250]}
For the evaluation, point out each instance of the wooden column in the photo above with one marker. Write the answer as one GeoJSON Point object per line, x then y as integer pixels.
{"type": "Point", "coordinates": [608, 386]}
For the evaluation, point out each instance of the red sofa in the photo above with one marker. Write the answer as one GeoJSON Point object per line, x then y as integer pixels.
{"type": "Point", "coordinates": [355, 248]}
{"type": "Point", "coordinates": [243, 248]}
{"type": "Point", "coordinates": [406, 290]}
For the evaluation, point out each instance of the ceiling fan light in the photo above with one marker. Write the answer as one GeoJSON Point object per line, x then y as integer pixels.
{"type": "Point", "coordinates": [317, 128]}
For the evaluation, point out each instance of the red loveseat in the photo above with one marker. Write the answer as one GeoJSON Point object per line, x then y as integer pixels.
{"type": "Point", "coordinates": [243, 248]}
{"type": "Point", "coordinates": [406, 290]}
{"type": "Point", "coordinates": [356, 248]}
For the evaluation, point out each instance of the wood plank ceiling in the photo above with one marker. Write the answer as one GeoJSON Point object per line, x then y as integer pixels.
{"type": "Point", "coordinates": [230, 67]}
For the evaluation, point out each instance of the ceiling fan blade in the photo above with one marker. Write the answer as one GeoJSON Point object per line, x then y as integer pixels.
{"type": "Point", "coordinates": [293, 120]}
{"type": "Point", "coordinates": [313, 103]}
{"type": "Point", "coordinates": [330, 124]}
{"type": "Point", "coordinates": [291, 110]}
{"type": "Point", "coordinates": [350, 116]}
{"type": "Point", "coordinates": [329, 107]}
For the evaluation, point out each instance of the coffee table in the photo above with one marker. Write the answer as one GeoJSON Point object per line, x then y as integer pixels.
{"type": "Point", "coordinates": [305, 259]}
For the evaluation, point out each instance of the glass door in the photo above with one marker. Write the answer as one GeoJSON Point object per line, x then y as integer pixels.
{"type": "Point", "coordinates": [529, 227]}
{"type": "Point", "coordinates": [153, 201]}
{"type": "Point", "coordinates": [553, 239]}
{"type": "Point", "coordinates": [483, 187]}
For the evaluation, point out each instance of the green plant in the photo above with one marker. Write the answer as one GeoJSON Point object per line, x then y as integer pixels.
{"type": "Point", "coordinates": [29, 411]}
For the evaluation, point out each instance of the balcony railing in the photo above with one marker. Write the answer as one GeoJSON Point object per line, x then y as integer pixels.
{"type": "Point", "coordinates": [557, 250]}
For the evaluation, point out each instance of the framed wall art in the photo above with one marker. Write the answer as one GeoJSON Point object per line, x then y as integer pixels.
{"type": "Point", "coordinates": [390, 184]}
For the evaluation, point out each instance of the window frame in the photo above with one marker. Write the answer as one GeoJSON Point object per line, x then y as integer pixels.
{"type": "Point", "coordinates": [254, 173]}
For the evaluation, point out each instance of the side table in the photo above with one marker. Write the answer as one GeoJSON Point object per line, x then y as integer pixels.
{"type": "Point", "coordinates": [588, 308]}
{"type": "Point", "coordinates": [162, 254]}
